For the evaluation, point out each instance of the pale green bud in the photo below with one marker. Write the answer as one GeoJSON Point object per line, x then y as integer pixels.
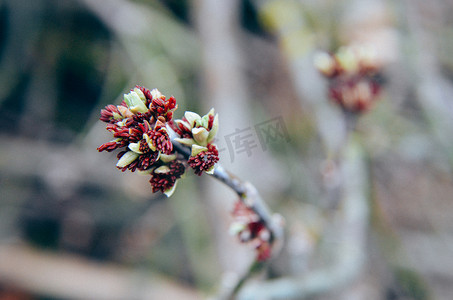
{"type": "Point", "coordinates": [196, 149]}
{"type": "Point", "coordinates": [185, 141]}
{"type": "Point", "coordinates": [162, 170]}
{"type": "Point", "coordinates": [140, 94]}
{"type": "Point", "coordinates": [184, 123]}
{"type": "Point", "coordinates": [156, 93]}
{"type": "Point", "coordinates": [211, 170]}
{"type": "Point", "coordinates": [167, 158]}
{"type": "Point", "coordinates": [200, 135]}
{"type": "Point", "coordinates": [149, 142]}
{"type": "Point", "coordinates": [192, 118]}
{"type": "Point", "coordinates": [121, 123]}
{"type": "Point", "coordinates": [117, 116]}
{"type": "Point", "coordinates": [215, 127]}
{"type": "Point", "coordinates": [171, 190]}
{"type": "Point", "coordinates": [211, 112]}
{"type": "Point", "coordinates": [145, 172]}
{"type": "Point", "coordinates": [126, 159]}
{"type": "Point", "coordinates": [135, 147]}
{"type": "Point", "coordinates": [125, 112]}
{"type": "Point", "coordinates": [204, 121]}
{"type": "Point", "coordinates": [205, 118]}
{"type": "Point", "coordinates": [134, 102]}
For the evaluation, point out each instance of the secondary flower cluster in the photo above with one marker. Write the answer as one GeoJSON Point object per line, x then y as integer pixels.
{"type": "Point", "coordinates": [140, 127]}
{"type": "Point", "coordinates": [249, 228]}
{"type": "Point", "coordinates": [198, 133]}
{"type": "Point", "coordinates": [354, 77]}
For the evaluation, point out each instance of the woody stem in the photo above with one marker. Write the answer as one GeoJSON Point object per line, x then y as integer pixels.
{"type": "Point", "coordinates": [245, 190]}
{"type": "Point", "coordinates": [250, 197]}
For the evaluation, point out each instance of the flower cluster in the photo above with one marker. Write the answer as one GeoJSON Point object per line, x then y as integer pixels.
{"type": "Point", "coordinates": [140, 126]}
{"type": "Point", "coordinates": [354, 77]}
{"type": "Point", "coordinates": [250, 228]}
{"type": "Point", "coordinates": [198, 133]}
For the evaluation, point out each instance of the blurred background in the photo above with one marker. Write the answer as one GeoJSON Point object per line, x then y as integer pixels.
{"type": "Point", "coordinates": [72, 226]}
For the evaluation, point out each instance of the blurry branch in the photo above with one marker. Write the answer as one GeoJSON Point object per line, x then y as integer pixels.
{"type": "Point", "coordinates": [154, 52]}
{"type": "Point", "coordinates": [350, 253]}
{"type": "Point", "coordinates": [72, 277]}
{"type": "Point", "coordinates": [434, 91]}
{"type": "Point", "coordinates": [250, 196]}
{"type": "Point", "coordinates": [286, 19]}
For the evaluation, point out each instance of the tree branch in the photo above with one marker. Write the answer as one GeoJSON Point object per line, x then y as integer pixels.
{"type": "Point", "coordinates": [252, 199]}
{"type": "Point", "coordinates": [245, 190]}
{"type": "Point", "coordinates": [350, 253]}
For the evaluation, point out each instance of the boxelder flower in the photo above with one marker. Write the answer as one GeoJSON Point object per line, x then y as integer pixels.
{"type": "Point", "coordinates": [249, 228]}
{"type": "Point", "coordinates": [112, 113]}
{"type": "Point", "coordinates": [198, 133]}
{"type": "Point", "coordinates": [139, 129]}
{"type": "Point", "coordinates": [203, 158]}
{"type": "Point", "coordinates": [354, 77]}
{"type": "Point", "coordinates": [159, 104]}
{"type": "Point", "coordinates": [165, 177]}
{"type": "Point", "coordinates": [140, 132]}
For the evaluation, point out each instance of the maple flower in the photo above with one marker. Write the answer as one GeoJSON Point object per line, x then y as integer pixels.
{"type": "Point", "coordinates": [159, 104]}
{"type": "Point", "coordinates": [112, 113]}
{"type": "Point", "coordinates": [165, 177]}
{"type": "Point", "coordinates": [354, 77]}
{"type": "Point", "coordinates": [138, 126]}
{"type": "Point", "coordinates": [249, 228]}
{"type": "Point", "coordinates": [354, 94]}
{"type": "Point", "coordinates": [203, 159]}
{"type": "Point", "coordinates": [198, 133]}
{"type": "Point", "coordinates": [160, 138]}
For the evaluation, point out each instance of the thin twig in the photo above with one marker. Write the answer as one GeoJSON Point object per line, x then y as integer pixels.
{"type": "Point", "coordinates": [250, 197]}
{"type": "Point", "coordinates": [350, 253]}
{"type": "Point", "coordinates": [245, 190]}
